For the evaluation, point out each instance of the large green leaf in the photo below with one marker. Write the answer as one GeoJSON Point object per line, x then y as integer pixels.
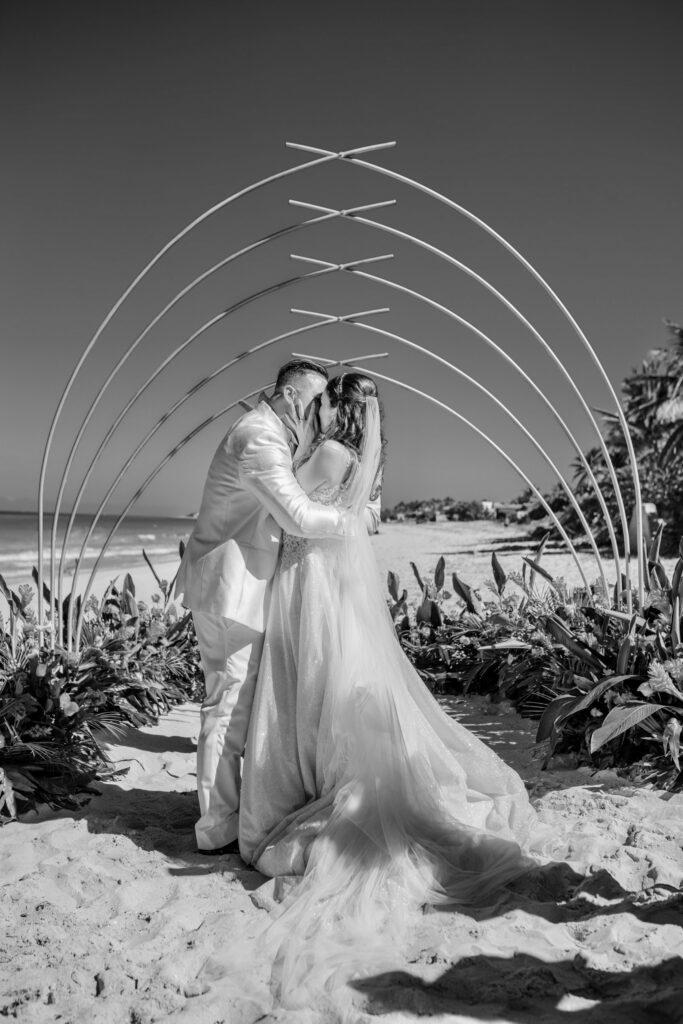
{"type": "Point", "coordinates": [621, 719]}
{"type": "Point", "coordinates": [466, 594]}
{"type": "Point", "coordinates": [653, 554]}
{"type": "Point", "coordinates": [552, 714]}
{"type": "Point", "coordinates": [154, 572]}
{"type": "Point", "coordinates": [588, 699]}
{"type": "Point", "coordinates": [423, 612]}
{"type": "Point", "coordinates": [498, 573]}
{"type": "Point", "coordinates": [657, 575]}
{"type": "Point", "coordinates": [562, 635]}
{"type": "Point", "coordinates": [624, 655]}
{"type": "Point", "coordinates": [676, 578]}
{"type": "Point", "coordinates": [675, 624]}
{"type": "Point", "coordinates": [416, 573]}
{"type": "Point", "coordinates": [536, 568]}
{"type": "Point", "coordinates": [535, 564]}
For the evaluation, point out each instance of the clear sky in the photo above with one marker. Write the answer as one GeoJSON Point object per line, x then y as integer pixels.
{"type": "Point", "coordinates": [558, 124]}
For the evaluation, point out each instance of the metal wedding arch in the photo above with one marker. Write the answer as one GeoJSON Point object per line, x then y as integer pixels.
{"type": "Point", "coordinates": [53, 623]}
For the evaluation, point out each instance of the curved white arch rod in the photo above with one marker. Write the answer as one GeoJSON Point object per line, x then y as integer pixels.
{"type": "Point", "coordinates": [324, 322]}
{"type": "Point", "coordinates": [173, 302]}
{"type": "Point", "coordinates": [114, 371]}
{"type": "Point", "coordinates": [396, 232]}
{"type": "Point", "coordinates": [206, 423]}
{"type": "Point", "coordinates": [396, 176]}
{"type": "Point", "coordinates": [140, 337]}
{"type": "Point", "coordinates": [324, 158]}
{"type": "Point", "coordinates": [518, 369]}
{"type": "Point", "coordinates": [501, 405]}
{"type": "Point", "coordinates": [138, 494]}
{"type": "Point", "coordinates": [57, 633]}
{"type": "Point", "coordinates": [497, 448]}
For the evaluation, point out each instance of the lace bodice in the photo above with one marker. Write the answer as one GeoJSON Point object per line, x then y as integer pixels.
{"type": "Point", "coordinates": [294, 548]}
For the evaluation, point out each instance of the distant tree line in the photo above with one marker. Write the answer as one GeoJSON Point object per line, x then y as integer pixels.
{"type": "Point", "coordinates": [429, 510]}
{"type": "Point", "coordinates": [652, 400]}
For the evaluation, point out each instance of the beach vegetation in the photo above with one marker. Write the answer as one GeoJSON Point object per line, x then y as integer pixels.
{"type": "Point", "coordinates": [59, 708]}
{"type": "Point", "coordinates": [606, 687]}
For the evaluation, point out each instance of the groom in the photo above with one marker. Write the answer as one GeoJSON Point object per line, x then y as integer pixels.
{"type": "Point", "coordinates": [250, 497]}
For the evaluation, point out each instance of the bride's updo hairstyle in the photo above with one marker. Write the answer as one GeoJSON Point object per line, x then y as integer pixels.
{"type": "Point", "coordinates": [348, 394]}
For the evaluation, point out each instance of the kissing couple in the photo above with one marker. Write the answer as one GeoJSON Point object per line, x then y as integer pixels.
{"type": "Point", "coordinates": [322, 758]}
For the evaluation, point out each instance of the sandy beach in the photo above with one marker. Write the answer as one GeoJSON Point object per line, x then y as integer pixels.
{"type": "Point", "coordinates": [110, 916]}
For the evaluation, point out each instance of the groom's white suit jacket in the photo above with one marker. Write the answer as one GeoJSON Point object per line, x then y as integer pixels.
{"type": "Point", "coordinates": [250, 496]}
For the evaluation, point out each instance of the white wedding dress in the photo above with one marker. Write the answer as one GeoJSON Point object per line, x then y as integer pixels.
{"type": "Point", "coordinates": [354, 778]}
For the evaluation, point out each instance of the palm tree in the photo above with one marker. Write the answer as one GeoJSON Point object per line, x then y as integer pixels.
{"type": "Point", "coordinates": [670, 412]}
{"type": "Point", "coordinates": [653, 406]}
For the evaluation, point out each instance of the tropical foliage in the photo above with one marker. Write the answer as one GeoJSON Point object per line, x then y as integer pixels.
{"type": "Point", "coordinates": [57, 708]}
{"type": "Point", "coordinates": [606, 687]}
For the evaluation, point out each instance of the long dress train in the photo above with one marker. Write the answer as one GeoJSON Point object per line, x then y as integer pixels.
{"type": "Point", "coordinates": [355, 779]}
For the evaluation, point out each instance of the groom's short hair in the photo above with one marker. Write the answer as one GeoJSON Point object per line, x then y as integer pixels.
{"type": "Point", "coordinates": [295, 368]}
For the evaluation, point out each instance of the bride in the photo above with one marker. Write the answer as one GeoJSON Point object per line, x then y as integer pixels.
{"type": "Point", "coordinates": [357, 787]}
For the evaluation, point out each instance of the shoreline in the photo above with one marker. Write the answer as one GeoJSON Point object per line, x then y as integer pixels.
{"type": "Point", "coordinates": [466, 546]}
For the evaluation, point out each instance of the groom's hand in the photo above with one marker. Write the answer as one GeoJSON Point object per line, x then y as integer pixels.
{"type": "Point", "coordinates": [349, 523]}
{"type": "Point", "coordinates": [294, 419]}
{"type": "Point", "coordinates": [310, 428]}
{"type": "Point", "coordinates": [304, 424]}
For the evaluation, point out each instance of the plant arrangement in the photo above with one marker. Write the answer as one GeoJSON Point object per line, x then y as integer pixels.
{"type": "Point", "coordinates": [606, 687]}
{"type": "Point", "coordinates": [57, 707]}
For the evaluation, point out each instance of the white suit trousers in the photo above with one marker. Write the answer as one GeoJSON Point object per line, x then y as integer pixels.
{"type": "Point", "coordinates": [230, 654]}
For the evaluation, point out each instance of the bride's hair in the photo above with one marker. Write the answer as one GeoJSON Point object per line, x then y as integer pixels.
{"type": "Point", "coordinates": [348, 394]}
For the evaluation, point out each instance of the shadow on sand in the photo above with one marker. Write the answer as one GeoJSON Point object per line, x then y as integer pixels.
{"type": "Point", "coordinates": [523, 989]}
{"type": "Point", "coordinates": [163, 822]}
{"type": "Point", "coordinates": [156, 742]}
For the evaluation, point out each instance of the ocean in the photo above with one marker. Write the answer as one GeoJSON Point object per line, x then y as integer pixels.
{"type": "Point", "coordinates": [158, 535]}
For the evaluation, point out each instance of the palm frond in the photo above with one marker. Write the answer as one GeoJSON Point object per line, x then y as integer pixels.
{"type": "Point", "coordinates": [670, 411]}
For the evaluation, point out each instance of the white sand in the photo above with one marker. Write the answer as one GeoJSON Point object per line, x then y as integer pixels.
{"type": "Point", "coordinates": [112, 917]}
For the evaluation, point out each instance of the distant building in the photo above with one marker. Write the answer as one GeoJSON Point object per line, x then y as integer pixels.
{"type": "Point", "coordinates": [510, 511]}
